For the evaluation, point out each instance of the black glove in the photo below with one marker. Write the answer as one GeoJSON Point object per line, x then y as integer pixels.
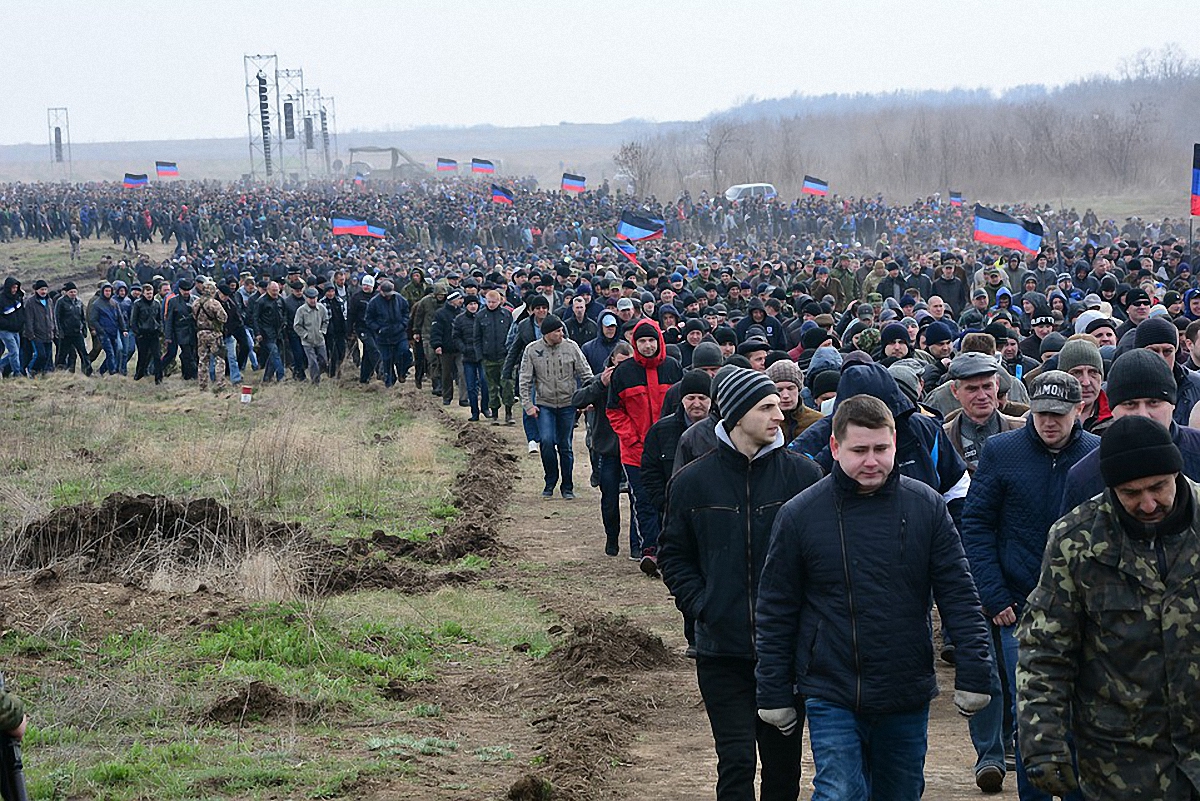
{"type": "Point", "coordinates": [1052, 774]}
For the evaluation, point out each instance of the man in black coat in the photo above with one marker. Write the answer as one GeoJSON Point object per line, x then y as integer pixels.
{"type": "Point", "coordinates": [843, 614]}
{"type": "Point", "coordinates": [180, 329]}
{"type": "Point", "coordinates": [720, 511]}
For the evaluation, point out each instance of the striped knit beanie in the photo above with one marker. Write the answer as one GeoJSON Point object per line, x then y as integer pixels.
{"type": "Point", "coordinates": [739, 391]}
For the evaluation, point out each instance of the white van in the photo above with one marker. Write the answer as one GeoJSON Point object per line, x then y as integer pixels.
{"type": "Point", "coordinates": [744, 191]}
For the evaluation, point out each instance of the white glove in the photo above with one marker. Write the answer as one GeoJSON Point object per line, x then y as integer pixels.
{"type": "Point", "coordinates": [783, 719]}
{"type": "Point", "coordinates": [969, 703]}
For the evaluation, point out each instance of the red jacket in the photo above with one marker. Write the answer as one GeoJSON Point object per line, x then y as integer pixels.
{"type": "Point", "coordinates": [635, 396]}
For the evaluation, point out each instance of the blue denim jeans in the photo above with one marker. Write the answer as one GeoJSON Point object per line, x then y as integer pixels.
{"type": "Point", "coordinates": [555, 427]}
{"type": "Point", "coordinates": [127, 349]}
{"type": "Point", "coordinates": [112, 353]}
{"type": "Point", "coordinates": [880, 757]}
{"type": "Point", "coordinates": [274, 371]}
{"type": "Point", "coordinates": [12, 352]}
{"type": "Point", "coordinates": [477, 387]}
{"type": "Point", "coordinates": [988, 733]}
{"type": "Point", "coordinates": [235, 372]}
{"type": "Point", "coordinates": [41, 358]}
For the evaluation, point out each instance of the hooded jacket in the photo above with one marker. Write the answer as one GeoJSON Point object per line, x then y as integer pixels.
{"type": "Point", "coordinates": [721, 510]}
{"type": "Point", "coordinates": [636, 393]}
{"type": "Point", "coordinates": [12, 306]}
{"type": "Point", "coordinates": [923, 451]}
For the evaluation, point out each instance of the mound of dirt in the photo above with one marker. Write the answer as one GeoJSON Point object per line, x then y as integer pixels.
{"type": "Point", "coordinates": [257, 701]}
{"type": "Point", "coordinates": [531, 788]}
{"type": "Point", "coordinates": [127, 538]}
{"type": "Point", "coordinates": [608, 644]}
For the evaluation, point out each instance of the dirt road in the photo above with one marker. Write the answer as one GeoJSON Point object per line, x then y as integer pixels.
{"type": "Point", "coordinates": [558, 550]}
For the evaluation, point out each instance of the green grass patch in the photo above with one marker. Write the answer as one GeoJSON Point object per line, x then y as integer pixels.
{"type": "Point", "coordinates": [405, 747]}
{"type": "Point", "coordinates": [488, 618]}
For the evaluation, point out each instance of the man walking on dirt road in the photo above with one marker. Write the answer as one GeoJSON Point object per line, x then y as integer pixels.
{"type": "Point", "coordinates": [843, 615]}
{"type": "Point", "coordinates": [551, 369]}
{"type": "Point", "coordinates": [720, 511]}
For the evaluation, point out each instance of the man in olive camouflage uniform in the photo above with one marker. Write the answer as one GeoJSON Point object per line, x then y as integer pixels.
{"type": "Point", "coordinates": [421, 323]}
{"type": "Point", "coordinates": [210, 335]}
{"type": "Point", "coordinates": [1110, 639]}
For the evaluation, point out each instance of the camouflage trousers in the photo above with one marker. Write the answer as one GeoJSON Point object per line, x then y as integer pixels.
{"type": "Point", "coordinates": [210, 344]}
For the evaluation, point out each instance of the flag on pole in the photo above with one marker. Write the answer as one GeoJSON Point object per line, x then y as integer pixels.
{"type": "Point", "coordinates": [626, 249]}
{"type": "Point", "coordinates": [502, 195]}
{"type": "Point", "coordinates": [956, 198]}
{"type": "Point", "coordinates": [358, 179]}
{"type": "Point", "coordinates": [573, 183]}
{"type": "Point", "coordinates": [1196, 182]}
{"type": "Point", "coordinates": [136, 179]}
{"type": "Point", "coordinates": [636, 228]}
{"type": "Point", "coordinates": [376, 231]}
{"type": "Point", "coordinates": [447, 165]}
{"type": "Point", "coordinates": [166, 169]}
{"type": "Point", "coordinates": [997, 228]}
{"type": "Point", "coordinates": [814, 186]}
{"type": "Point", "coordinates": [482, 165]}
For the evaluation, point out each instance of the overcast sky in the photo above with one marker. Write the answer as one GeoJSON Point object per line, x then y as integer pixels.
{"type": "Point", "coordinates": [133, 70]}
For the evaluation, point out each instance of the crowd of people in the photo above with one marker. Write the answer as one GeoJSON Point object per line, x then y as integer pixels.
{"type": "Point", "coordinates": [824, 413]}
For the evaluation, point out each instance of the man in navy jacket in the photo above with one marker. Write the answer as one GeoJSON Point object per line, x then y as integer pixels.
{"type": "Point", "coordinates": [1012, 503]}
{"type": "Point", "coordinates": [843, 614]}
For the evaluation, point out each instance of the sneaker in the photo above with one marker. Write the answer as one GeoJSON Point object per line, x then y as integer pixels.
{"type": "Point", "coordinates": [594, 479]}
{"type": "Point", "coordinates": [649, 563]}
{"type": "Point", "coordinates": [547, 493]}
{"type": "Point", "coordinates": [690, 652]}
{"type": "Point", "coordinates": [1010, 758]}
{"type": "Point", "coordinates": [495, 421]}
{"type": "Point", "coordinates": [947, 654]}
{"type": "Point", "coordinates": [464, 403]}
{"type": "Point", "coordinates": [508, 418]}
{"type": "Point", "coordinates": [989, 779]}
{"type": "Point", "coordinates": [568, 495]}
{"type": "Point", "coordinates": [473, 418]}
{"type": "Point", "coordinates": [533, 446]}
{"type": "Point", "coordinates": [611, 548]}
{"type": "Point", "coordinates": [445, 403]}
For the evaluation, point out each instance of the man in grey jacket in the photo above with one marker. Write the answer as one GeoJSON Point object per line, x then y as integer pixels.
{"type": "Point", "coordinates": [310, 324]}
{"type": "Point", "coordinates": [552, 367]}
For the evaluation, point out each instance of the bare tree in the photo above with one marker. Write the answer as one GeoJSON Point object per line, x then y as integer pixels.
{"type": "Point", "coordinates": [714, 141]}
{"type": "Point", "coordinates": [640, 160]}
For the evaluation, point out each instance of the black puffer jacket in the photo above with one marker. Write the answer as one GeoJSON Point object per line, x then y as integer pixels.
{"type": "Point", "coordinates": [720, 510]}
{"type": "Point", "coordinates": [844, 605]}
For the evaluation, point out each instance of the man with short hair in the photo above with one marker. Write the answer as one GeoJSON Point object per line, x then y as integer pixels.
{"type": "Point", "coordinates": [210, 336]}
{"type": "Point", "coordinates": [975, 385]}
{"type": "Point", "coordinates": [1137, 311]}
{"type": "Point", "coordinates": [843, 614]}
{"type": "Point", "coordinates": [1042, 325]}
{"type": "Point", "coordinates": [1012, 502]}
{"type": "Point", "coordinates": [387, 317]}
{"type": "Point", "coordinates": [523, 332]}
{"type": "Point", "coordinates": [270, 321]}
{"type": "Point", "coordinates": [1107, 676]}
{"type": "Point", "coordinates": [179, 330]}
{"type": "Point", "coordinates": [721, 510]}
{"type": "Point", "coordinates": [550, 368]}
{"type": "Point", "coordinates": [492, 323]}
{"type": "Point", "coordinates": [146, 322]}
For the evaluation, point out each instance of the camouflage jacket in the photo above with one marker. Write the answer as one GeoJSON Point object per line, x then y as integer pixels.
{"type": "Point", "coordinates": [1110, 652]}
{"type": "Point", "coordinates": [12, 711]}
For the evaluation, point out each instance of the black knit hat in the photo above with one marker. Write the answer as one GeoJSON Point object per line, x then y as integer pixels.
{"type": "Point", "coordinates": [893, 332]}
{"type": "Point", "coordinates": [707, 354]}
{"type": "Point", "coordinates": [1137, 447]}
{"type": "Point", "coordinates": [739, 390]}
{"type": "Point", "coordinates": [550, 324]}
{"type": "Point", "coordinates": [1140, 374]}
{"type": "Point", "coordinates": [695, 382]}
{"type": "Point", "coordinates": [1156, 331]}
